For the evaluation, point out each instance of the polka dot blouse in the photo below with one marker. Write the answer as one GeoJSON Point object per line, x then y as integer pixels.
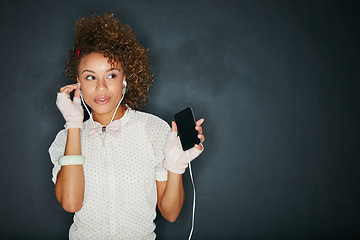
{"type": "Point", "coordinates": [120, 182]}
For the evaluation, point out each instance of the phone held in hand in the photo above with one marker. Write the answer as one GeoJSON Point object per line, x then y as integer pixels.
{"type": "Point", "coordinates": [185, 122]}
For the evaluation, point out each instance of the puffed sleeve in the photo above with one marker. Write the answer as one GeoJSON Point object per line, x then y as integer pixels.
{"type": "Point", "coordinates": [56, 151]}
{"type": "Point", "coordinates": [158, 133]}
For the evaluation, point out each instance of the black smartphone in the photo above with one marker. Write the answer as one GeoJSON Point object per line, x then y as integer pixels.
{"type": "Point", "coordinates": [185, 122]}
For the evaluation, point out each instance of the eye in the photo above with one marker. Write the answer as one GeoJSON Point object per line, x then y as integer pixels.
{"type": "Point", "coordinates": [113, 75]}
{"type": "Point", "coordinates": [90, 77]}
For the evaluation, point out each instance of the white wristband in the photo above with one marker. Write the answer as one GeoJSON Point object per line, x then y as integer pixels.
{"type": "Point", "coordinates": [72, 160]}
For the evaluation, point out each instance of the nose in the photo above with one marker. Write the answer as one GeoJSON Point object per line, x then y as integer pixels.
{"type": "Point", "coordinates": [101, 85]}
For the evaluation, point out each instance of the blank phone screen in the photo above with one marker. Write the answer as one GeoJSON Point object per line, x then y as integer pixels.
{"type": "Point", "coordinates": [185, 122]}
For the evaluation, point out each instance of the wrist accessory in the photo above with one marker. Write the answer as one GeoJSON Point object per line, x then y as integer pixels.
{"type": "Point", "coordinates": [71, 160]}
{"type": "Point", "coordinates": [72, 111]}
{"type": "Point", "coordinates": [176, 159]}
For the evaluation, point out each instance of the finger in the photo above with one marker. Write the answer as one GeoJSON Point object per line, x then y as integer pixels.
{"type": "Point", "coordinates": [201, 137]}
{"type": "Point", "coordinates": [198, 147]}
{"type": "Point", "coordinates": [199, 129]}
{"type": "Point", "coordinates": [68, 88]}
{"type": "Point", "coordinates": [200, 121]}
{"type": "Point", "coordinates": [173, 126]}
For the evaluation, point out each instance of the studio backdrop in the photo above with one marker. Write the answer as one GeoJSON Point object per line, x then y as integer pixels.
{"type": "Point", "coordinates": [276, 81]}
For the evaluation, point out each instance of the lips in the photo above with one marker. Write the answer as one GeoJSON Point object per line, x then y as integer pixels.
{"type": "Point", "coordinates": [101, 100]}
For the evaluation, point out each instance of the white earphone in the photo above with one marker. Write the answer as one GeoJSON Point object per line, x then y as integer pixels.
{"type": "Point", "coordinates": [122, 97]}
{"type": "Point", "coordinates": [124, 89]}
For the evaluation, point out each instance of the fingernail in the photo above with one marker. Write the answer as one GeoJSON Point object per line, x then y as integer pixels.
{"type": "Point", "coordinates": [199, 136]}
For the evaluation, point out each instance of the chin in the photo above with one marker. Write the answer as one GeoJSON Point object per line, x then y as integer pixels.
{"type": "Point", "coordinates": [103, 109]}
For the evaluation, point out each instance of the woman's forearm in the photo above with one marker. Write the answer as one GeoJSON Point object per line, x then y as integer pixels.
{"type": "Point", "coordinates": [70, 183]}
{"type": "Point", "coordinates": [173, 197]}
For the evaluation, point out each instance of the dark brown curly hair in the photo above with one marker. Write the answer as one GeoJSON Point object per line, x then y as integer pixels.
{"type": "Point", "coordinates": [116, 41]}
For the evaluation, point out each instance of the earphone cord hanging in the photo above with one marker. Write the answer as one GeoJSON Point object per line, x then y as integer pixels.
{"type": "Point", "coordinates": [82, 100]}
{"type": "Point", "coordinates": [92, 120]}
{"type": "Point", "coordinates": [193, 184]}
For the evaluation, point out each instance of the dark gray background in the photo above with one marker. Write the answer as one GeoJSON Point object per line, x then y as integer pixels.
{"type": "Point", "coordinates": [276, 81]}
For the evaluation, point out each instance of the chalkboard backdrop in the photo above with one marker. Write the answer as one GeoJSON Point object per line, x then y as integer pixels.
{"type": "Point", "coordinates": [276, 81]}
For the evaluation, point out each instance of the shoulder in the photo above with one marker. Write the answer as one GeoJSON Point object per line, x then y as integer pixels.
{"type": "Point", "coordinates": [59, 141]}
{"type": "Point", "coordinates": [61, 135]}
{"type": "Point", "coordinates": [149, 120]}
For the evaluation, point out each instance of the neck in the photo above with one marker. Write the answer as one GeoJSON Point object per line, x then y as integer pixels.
{"type": "Point", "coordinates": [104, 119]}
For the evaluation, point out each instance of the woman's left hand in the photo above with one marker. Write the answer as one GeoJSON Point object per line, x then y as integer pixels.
{"type": "Point", "coordinates": [176, 160]}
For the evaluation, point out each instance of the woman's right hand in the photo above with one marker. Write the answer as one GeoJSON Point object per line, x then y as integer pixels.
{"type": "Point", "coordinates": [72, 111]}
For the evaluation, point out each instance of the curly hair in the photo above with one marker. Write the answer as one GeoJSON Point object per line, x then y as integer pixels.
{"type": "Point", "coordinates": [116, 41]}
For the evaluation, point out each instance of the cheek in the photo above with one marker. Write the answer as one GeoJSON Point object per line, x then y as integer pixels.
{"type": "Point", "coordinates": [86, 94]}
{"type": "Point", "coordinates": [117, 89]}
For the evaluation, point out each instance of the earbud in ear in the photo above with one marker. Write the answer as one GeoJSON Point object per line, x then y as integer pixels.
{"type": "Point", "coordinates": [79, 87]}
{"type": "Point", "coordinates": [124, 89]}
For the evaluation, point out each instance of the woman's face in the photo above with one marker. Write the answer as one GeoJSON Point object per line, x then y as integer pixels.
{"type": "Point", "coordinates": [101, 83]}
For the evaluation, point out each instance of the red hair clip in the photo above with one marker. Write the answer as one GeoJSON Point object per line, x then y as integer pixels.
{"type": "Point", "coordinates": [78, 51]}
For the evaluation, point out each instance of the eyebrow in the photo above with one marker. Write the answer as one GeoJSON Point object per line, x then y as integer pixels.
{"type": "Point", "coordinates": [111, 69]}
{"type": "Point", "coordinates": [87, 71]}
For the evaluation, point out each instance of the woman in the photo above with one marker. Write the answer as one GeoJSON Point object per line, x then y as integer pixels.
{"type": "Point", "coordinates": [115, 168]}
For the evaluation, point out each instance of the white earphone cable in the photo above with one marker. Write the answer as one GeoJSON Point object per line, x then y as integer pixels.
{"type": "Point", "coordinates": [92, 120]}
{"type": "Point", "coordinates": [193, 210]}
{"type": "Point", "coordinates": [103, 140]}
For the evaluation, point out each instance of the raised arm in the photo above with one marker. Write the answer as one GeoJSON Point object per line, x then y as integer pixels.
{"type": "Point", "coordinates": [171, 192]}
{"type": "Point", "coordinates": [70, 183]}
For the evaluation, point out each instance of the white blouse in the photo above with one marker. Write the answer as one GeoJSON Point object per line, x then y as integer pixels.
{"type": "Point", "coordinates": [120, 183]}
